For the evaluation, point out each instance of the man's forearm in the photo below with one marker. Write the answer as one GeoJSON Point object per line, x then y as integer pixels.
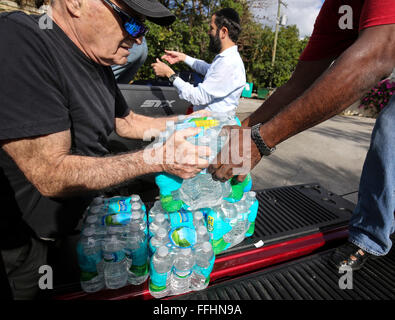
{"type": "Point", "coordinates": [136, 126]}
{"type": "Point", "coordinates": [76, 174]}
{"type": "Point", "coordinates": [354, 73]}
{"type": "Point", "coordinates": [197, 65]}
{"type": "Point", "coordinates": [306, 72]}
{"type": "Point", "coordinates": [48, 165]}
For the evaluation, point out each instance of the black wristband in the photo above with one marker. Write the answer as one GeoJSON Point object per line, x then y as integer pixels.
{"type": "Point", "coordinates": [264, 150]}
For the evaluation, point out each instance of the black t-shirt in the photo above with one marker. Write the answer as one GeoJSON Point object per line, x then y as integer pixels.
{"type": "Point", "coordinates": [48, 85]}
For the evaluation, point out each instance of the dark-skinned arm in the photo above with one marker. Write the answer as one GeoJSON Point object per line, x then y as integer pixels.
{"type": "Point", "coordinates": [306, 72]}
{"type": "Point", "coordinates": [359, 68]}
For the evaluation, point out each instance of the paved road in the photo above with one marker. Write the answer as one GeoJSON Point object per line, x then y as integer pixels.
{"type": "Point", "coordinates": [331, 153]}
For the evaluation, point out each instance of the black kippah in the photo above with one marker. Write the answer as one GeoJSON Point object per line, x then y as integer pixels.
{"type": "Point", "coordinates": [230, 14]}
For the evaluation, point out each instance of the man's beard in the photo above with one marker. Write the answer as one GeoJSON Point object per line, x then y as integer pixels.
{"type": "Point", "coordinates": [215, 43]}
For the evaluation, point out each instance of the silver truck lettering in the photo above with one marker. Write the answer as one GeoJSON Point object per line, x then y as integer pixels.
{"type": "Point", "coordinates": [157, 103]}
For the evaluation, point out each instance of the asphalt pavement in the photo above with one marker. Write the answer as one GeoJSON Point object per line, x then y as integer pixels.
{"type": "Point", "coordinates": [331, 154]}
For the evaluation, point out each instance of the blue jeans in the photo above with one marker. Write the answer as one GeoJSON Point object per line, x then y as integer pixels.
{"type": "Point", "coordinates": [372, 222]}
{"type": "Point", "coordinates": [126, 72]}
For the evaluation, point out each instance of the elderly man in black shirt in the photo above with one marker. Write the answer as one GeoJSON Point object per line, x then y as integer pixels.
{"type": "Point", "coordinates": [59, 103]}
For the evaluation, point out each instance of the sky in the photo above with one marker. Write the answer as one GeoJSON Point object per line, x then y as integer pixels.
{"type": "Point", "coordinates": [300, 12]}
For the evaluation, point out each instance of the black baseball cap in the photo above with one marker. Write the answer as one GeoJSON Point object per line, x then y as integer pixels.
{"type": "Point", "coordinates": [153, 10]}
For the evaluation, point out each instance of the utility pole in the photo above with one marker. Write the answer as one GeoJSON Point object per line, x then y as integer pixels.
{"type": "Point", "coordinates": [276, 32]}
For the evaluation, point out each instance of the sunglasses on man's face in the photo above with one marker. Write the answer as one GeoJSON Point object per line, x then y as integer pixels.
{"type": "Point", "coordinates": [135, 28]}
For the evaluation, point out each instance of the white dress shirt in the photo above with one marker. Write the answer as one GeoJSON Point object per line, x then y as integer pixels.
{"type": "Point", "coordinates": [222, 86]}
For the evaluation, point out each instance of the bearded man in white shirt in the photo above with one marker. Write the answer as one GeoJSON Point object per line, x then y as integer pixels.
{"type": "Point", "coordinates": [225, 77]}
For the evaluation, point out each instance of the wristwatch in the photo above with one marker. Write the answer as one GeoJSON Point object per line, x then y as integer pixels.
{"type": "Point", "coordinates": [173, 77]}
{"type": "Point", "coordinates": [264, 150]}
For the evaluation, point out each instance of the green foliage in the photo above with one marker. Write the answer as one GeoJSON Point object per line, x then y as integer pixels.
{"type": "Point", "coordinates": [258, 56]}
{"type": "Point", "coordinates": [188, 34]}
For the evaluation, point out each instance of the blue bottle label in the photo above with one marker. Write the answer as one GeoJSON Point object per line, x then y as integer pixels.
{"type": "Point", "coordinates": [181, 218]}
{"type": "Point", "coordinates": [217, 226]}
{"type": "Point", "coordinates": [253, 211]}
{"type": "Point", "coordinates": [158, 279]}
{"type": "Point", "coordinates": [119, 219]}
{"type": "Point", "coordinates": [140, 255]}
{"type": "Point", "coordinates": [118, 204]}
{"type": "Point", "coordinates": [85, 262]}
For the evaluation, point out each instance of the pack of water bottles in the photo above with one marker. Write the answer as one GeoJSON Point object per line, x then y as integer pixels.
{"type": "Point", "coordinates": [113, 248]}
{"type": "Point", "coordinates": [183, 244]}
{"type": "Point", "coordinates": [196, 218]}
{"type": "Point", "coordinates": [180, 247]}
{"type": "Point", "coordinates": [231, 222]}
{"type": "Point", "coordinates": [229, 208]}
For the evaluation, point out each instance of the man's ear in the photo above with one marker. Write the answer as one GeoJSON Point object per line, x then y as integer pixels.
{"type": "Point", "coordinates": [223, 33]}
{"type": "Point", "coordinates": [74, 7]}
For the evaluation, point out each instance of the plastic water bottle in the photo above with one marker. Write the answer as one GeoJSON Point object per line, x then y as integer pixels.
{"type": "Point", "coordinates": [202, 234]}
{"type": "Point", "coordinates": [96, 209]}
{"type": "Point", "coordinates": [160, 267]}
{"type": "Point", "coordinates": [157, 208]}
{"type": "Point", "coordinates": [204, 256]}
{"type": "Point", "coordinates": [135, 198]}
{"type": "Point", "coordinates": [116, 224]}
{"type": "Point", "coordinates": [202, 191]}
{"type": "Point", "coordinates": [136, 250]}
{"type": "Point", "coordinates": [97, 201]}
{"type": "Point", "coordinates": [160, 221]}
{"type": "Point", "coordinates": [237, 234]}
{"type": "Point", "coordinates": [116, 219]}
{"type": "Point", "coordinates": [94, 222]}
{"type": "Point", "coordinates": [225, 118]}
{"type": "Point", "coordinates": [89, 256]}
{"type": "Point", "coordinates": [198, 219]}
{"type": "Point", "coordinates": [115, 266]}
{"type": "Point", "coordinates": [182, 270]}
{"type": "Point", "coordinates": [229, 214]}
{"type": "Point", "coordinates": [92, 219]}
{"type": "Point", "coordinates": [136, 207]}
{"type": "Point", "coordinates": [250, 199]}
{"type": "Point", "coordinates": [138, 219]}
{"type": "Point", "coordinates": [161, 238]}
{"type": "Point", "coordinates": [243, 207]}
{"type": "Point", "coordinates": [211, 136]}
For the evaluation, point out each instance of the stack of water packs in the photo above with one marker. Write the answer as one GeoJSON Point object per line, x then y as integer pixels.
{"type": "Point", "coordinates": [175, 243]}
{"type": "Point", "coordinates": [113, 248]}
{"type": "Point", "coordinates": [196, 218]}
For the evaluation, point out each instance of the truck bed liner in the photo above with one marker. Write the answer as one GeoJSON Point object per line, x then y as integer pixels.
{"type": "Point", "coordinates": [290, 212]}
{"type": "Point", "coordinates": [308, 278]}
